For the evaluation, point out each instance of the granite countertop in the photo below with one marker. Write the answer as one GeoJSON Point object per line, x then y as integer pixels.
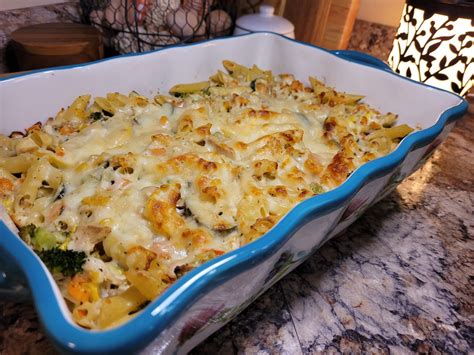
{"type": "Point", "coordinates": [399, 280]}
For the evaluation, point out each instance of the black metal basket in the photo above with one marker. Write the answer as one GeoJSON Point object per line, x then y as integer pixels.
{"type": "Point", "coordinates": [141, 25]}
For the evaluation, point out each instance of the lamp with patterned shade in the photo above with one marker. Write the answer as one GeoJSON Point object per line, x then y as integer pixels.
{"type": "Point", "coordinates": [434, 44]}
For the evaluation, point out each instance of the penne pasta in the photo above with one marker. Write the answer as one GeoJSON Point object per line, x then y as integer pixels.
{"type": "Point", "coordinates": [392, 132]}
{"type": "Point", "coordinates": [17, 164]}
{"type": "Point", "coordinates": [122, 196]}
{"type": "Point", "coordinates": [189, 88]}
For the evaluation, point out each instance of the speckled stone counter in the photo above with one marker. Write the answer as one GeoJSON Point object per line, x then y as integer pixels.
{"type": "Point", "coordinates": [372, 38]}
{"type": "Point", "coordinates": [400, 280]}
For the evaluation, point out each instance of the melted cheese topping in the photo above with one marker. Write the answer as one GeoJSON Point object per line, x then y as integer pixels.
{"type": "Point", "coordinates": [151, 188]}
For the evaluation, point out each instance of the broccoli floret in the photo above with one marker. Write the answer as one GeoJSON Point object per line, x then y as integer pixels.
{"type": "Point", "coordinates": [96, 116]}
{"type": "Point", "coordinates": [100, 116]}
{"type": "Point", "coordinates": [47, 245]}
{"type": "Point", "coordinates": [252, 84]}
{"type": "Point", "coordinates": [181, 95]}
{"type": "Point", "coordinates": [45, 240]}
{"type": "Point", "coordinates": [41, 239]}
{"type": "Point", "coordinates": [27, 232]}
{"type": "Point", "coordinates": [316, 188]}
{"type": "Point", "coordinates": [67, 262]}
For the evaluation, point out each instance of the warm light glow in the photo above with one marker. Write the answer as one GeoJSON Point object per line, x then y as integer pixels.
{"type": "Point", "coordinates": [435, 49]}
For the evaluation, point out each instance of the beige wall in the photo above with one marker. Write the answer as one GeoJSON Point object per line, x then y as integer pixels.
{"type": "Point", "coordinates": [385, 12]}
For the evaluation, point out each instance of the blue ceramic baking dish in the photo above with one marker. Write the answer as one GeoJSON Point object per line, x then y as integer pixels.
{"type": "Point", "coordinates": [206, 298]}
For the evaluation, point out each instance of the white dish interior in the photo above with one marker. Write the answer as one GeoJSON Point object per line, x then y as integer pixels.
{"type": "Point", "coordinates": [28, 99]}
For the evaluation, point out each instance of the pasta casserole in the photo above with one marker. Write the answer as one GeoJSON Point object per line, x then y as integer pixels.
{"type": "Point", "coordinates": [121, 195]}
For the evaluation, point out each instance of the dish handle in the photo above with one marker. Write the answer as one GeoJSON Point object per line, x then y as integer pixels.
{"type": "Point", "coordinates": [13, 285]}
{"type": "Point", "coordinates": [362, 58]}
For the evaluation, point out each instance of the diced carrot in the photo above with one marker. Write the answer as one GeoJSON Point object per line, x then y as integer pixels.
{"type": "Point", "coordinates": [5, 185]}
{"type": "Point", "coordinates": [82, 289]}
{"type": "Point", "coordinates": [158, 151]}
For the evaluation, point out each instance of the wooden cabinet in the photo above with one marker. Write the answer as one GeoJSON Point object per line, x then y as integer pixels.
{"type": "Point", "coordinates": [325, 23]}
